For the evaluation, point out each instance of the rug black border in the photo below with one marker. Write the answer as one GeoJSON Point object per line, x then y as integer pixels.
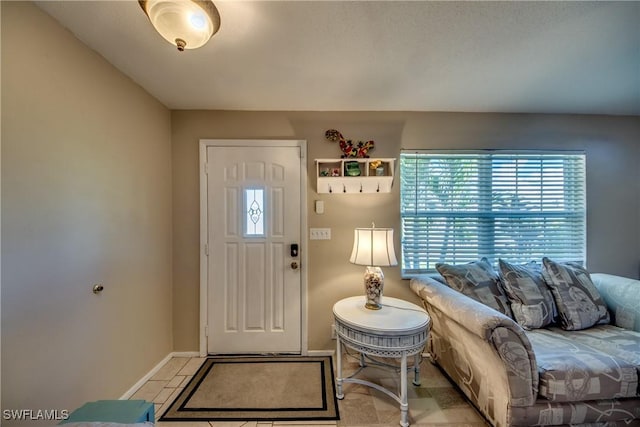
{"type": "Point", "coordinates": [199, 376]}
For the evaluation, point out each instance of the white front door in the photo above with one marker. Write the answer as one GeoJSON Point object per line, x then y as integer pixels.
{"type": "Point", "coordinates": [254, 299]}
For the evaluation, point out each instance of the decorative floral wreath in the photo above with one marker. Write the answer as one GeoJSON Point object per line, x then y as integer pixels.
{"type": "Point", "coordinates": [349, 149]}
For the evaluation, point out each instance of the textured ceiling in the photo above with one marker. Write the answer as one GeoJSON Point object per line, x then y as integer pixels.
{"type": "Point", "coordinates": [553, 57]}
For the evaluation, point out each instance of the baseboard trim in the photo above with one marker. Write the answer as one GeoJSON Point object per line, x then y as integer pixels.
{"type": "Point", "coordinates": [185, 354]}
{"type": "Point", "coordinates": [318, 353]}
{"type": "Point", "coordinates": [154, 370]}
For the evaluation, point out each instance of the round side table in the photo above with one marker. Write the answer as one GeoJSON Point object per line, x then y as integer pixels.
{"type": "Point", "coordinates": [398, 330]}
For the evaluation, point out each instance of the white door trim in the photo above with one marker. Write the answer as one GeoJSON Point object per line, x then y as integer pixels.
{"type": "Point", "coordinates": [204, 144]}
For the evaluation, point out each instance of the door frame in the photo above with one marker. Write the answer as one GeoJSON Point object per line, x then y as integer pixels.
{"type": "Point", "coordinates": [204, 279]}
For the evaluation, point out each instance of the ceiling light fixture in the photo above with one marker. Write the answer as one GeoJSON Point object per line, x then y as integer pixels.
{"type": "Point", "coordinates": [187, 24]}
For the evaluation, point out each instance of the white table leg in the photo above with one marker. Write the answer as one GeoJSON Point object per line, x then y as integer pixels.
{"type": "Point", "coordinates": [416, 370]}
{"type": "Point", "coordinates": [339, 393]}
{"type": "Point", "coordinates": [404, 405]}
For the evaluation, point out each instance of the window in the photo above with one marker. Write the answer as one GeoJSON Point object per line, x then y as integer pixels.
{"type": "Point", "coordinates": [254, 212]}
{"type": "Point", "coordinates": [457, 207]}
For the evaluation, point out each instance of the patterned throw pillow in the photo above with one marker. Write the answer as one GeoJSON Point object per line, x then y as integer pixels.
{"type": "Point", "coordinates": [578, 300]}
{"type": "Point", "coordinates": [477, 280]}
{"type": "Point", "coordinates": [531, 300]}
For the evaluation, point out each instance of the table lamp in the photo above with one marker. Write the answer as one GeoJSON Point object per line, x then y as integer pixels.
{"type": "Point", "coordinates": [373, 247]}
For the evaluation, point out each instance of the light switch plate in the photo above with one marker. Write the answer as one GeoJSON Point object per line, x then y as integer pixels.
{"type": "Point", "coordinates": [320, 234]}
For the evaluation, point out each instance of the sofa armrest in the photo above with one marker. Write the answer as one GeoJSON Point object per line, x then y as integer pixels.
{"type": "Point", "coordinates": [622, 296]}
{"type": "Point", "coordinates": [511, 347]}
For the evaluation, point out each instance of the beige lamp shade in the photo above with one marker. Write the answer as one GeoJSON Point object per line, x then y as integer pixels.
{"type": "Point", "coordinates": [188, 24]}
{"type": "Point", "coordinates": [373, 247]}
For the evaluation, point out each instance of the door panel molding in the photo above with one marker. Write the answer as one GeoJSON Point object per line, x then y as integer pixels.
{"type": "Point", "coordinates": [204, 228]}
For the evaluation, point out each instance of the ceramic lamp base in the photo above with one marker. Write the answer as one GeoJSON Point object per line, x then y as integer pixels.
{"type": "Point", "coordinates": [373, 286]}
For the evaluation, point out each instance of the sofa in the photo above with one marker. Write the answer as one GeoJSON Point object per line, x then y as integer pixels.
{"type": "Point", "coordinates": [539, 369]}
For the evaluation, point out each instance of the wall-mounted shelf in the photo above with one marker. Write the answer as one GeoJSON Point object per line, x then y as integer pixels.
{"type": "Point", "coordinates": [338, 176]}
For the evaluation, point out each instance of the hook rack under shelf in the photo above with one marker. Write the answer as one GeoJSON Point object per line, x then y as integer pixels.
{"type": "Point", "coordinates": [331, 174]}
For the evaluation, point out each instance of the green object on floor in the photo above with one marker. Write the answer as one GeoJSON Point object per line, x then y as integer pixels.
{"type": "Point", "coordinates": [114, 411]}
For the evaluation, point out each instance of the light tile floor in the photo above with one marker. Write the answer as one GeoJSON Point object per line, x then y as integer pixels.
{"type": "Point", "coordinates": [436, 403]}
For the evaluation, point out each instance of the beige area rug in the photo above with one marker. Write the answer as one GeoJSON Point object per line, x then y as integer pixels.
{"type": "Point", "coordinates": [258, 388]}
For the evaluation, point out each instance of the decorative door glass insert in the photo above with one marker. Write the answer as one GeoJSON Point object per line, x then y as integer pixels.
{"type": "Point", "coordinates": [254, 211]}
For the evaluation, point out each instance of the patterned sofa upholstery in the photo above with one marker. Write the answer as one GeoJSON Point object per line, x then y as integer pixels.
{"type": "Point", "coordinates": [545, 376]}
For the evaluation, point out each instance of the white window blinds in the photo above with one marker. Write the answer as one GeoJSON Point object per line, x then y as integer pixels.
{"type": "Point", "coordinates": [520, 206]}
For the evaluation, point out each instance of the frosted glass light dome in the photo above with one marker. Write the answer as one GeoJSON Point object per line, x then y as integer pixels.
{"type": "Point", "coordinates": [187, 24]}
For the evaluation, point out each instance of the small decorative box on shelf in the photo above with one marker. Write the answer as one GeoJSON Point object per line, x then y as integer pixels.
{"type": "Point", "coordinates": [354, 175]}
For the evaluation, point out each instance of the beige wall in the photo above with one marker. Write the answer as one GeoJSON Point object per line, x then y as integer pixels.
{"type": "Point", "coordinates": [86, 198]}
{"type": "Point", "coordinates": [613, 190]}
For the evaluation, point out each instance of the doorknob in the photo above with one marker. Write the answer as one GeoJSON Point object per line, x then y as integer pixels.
{"type": "Point", "coordinates": [294, 265]}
